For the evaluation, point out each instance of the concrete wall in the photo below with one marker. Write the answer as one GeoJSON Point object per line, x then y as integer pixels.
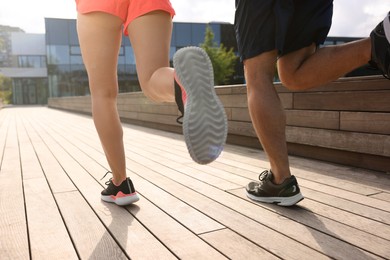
{"type": "Point", "coordinates": [347, 121]}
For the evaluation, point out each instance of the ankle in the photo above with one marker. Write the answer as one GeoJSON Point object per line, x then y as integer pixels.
{"type": "Point", "coordinates": [117, 183]}
{"type": "Point", "coordinates": [279, 178]}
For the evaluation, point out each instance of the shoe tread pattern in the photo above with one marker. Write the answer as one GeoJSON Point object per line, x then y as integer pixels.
{"type": "Point", "coordinates": [204, 122]}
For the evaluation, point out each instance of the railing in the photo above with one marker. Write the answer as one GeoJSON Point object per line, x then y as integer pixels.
{"type": "Point", "coordinates": [346, 121]}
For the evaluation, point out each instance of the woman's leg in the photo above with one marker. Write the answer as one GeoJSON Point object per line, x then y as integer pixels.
{"type": "Point", "coordinates": [204, 119]}
{"type": "Point", "coordinates": [150, 37]}
{"type": "Point", "coordinates": [100, 38]}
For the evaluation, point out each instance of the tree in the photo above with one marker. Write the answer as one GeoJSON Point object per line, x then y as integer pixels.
{"type": "Point", "coordinates": [5, 89]}
{"type": "Point", "coordinates": [222, 59]}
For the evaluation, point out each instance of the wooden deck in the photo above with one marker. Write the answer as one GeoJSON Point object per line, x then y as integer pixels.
{"type": "Point", "coordinates": [50, 208]}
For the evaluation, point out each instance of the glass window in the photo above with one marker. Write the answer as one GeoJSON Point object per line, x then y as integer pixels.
{"type": "Point", "coordinates": [129, 55]}
{"type": "Point", "coordinates": [76, 59]}
{"type": "Point", "coordinates": [58, 54]}
{"type": "Point", "coordinates": [328, 43]}
{"type": "Point", "coordinates": [183, 34]}
{"type": "Point", "coordinates": [23, 62]}
{"type": "Point", "coordinates": [172, 52]}
{"type": "Point", "coordinates": [217, 32]}
{"type": "Point", "coordinates": [75, 50]}
{"type": "Point", "coordinates": [56, 32]}
{"type": "Point", "coordinates": [73, 37]}
{"type": "Point", "coordinates": [32, 61]}
{"type": "Point", "coordinates": [121, 51]}
{"type": "Point", "coordinates": [198, 33]}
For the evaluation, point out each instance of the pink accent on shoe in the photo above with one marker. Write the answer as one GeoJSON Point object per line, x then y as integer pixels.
{"type": "Point", "coordinates": [183, 92]}
{"type": "Point", "coordinates": [122, 195]}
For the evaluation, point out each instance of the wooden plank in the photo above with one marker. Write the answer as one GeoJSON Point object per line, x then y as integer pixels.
{"type": "Point", "coordinates": [287, 100]}
{"type": "Point", "coordinates": [346, 101]}
{"type": "Point", "coordinates": [241, 128]}
{"type": "Point", "coordinates": [235, 246]}
{"type": "Point", "coordinates": [90, 237]}
{"type": "Point", "coordinates": [365, 122]}
{"type": "Point", "coordinates": [350, 141]}
{"type": "Point", "coordinates": [382, 196]}
{"type": "Point", "coordinates": [238, 100]}
{"type": "Point", "coordinates": [365, 200]}
{"type": "Point", "coordinates": [347, 84]}
{"type": "Point", "coordinates": [240, 114]}
{"type": "Point", "coordinates": [4, 123]}
{"type": "Point", "coordinates": [49, 238]}
{"type": "Point", "coordinates": [355, 207]}
{"type": "Point", "coordinates": [13, 240]}
{"type": "Point", "coordinates": [54, 172]}
{"type": "Point", "coordinates": [159, 108]}
{"type": "Point", "coordinates": [30, 164]}
{"type": "Point", "coordinates": [313, 119]}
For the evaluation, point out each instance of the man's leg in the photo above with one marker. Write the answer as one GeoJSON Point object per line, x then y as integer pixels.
{"type": "Point", "coordinates": [308, 67]}
{"type": "Point", "coordinates": [267, 113]}
{"type": "Point", "coordinates": [269, 120]}
{"type": "Point", "coordinates": [100, 37]}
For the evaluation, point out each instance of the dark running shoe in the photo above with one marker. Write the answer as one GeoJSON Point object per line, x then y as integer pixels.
{"type": "Point", "coordinates": [380, 46]}
{"type": "Point", "coordinates": [204, 119]}
{"type": "Point", "coordinates": [122, 195]}
{"type": "Point", "coordinates": [285, 194]}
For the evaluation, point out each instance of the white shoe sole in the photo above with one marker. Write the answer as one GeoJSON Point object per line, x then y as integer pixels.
{"type": "Point", "coordinates": [204, 121]}
{"type": "Point", "coordinates": [281, 201]}
{"type": "Point", "coordinates": [121, 201]}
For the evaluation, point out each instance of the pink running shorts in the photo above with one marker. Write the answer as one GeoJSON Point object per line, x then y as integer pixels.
{"type": "Point", "coordinates": [127, 10]}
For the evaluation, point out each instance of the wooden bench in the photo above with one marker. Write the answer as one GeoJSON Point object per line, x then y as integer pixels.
{"type": "Point", "coordinates": [346, 121]}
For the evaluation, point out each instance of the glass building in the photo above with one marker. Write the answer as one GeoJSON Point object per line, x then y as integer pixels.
{"type": "Point", "coordinates": [25, 65]}
{"type": "Point", "coordinates": [67, 75]}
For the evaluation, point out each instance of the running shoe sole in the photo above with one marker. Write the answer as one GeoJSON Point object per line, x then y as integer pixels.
{"type": "Point", "coordinates": [281, 201]}
{"type": "Point", "coordinates": [204, 121]}
{"type": "Point", "coordinates": [120, 199]}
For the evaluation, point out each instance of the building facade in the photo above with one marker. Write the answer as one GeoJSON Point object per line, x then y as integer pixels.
{"type": "Point", "coordinates": [67, 75]}
{"type": "Point", "coordinates": [50, 65]}
{"type": "Point", "coordinates": [25, 64]}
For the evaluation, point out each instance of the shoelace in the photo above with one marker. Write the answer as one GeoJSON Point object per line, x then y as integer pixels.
{"type": "Point", "coordinates": [109, 181]}
{"type": "Point", "coordinates": [179, 120]}
{"type": "Point", "coordinates": [179, 102]}
{"type": "Point", "coordinates": [263, 175]}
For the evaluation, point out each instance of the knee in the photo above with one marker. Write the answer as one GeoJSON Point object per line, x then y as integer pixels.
{"type": "Point", "coordinates": [104, 93]}
{"type": "Point", "coordinates": [291, 81]}
{"type": "Point", "coordinates": [149, 91]}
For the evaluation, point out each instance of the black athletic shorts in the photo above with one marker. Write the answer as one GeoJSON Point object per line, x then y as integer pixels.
{"type": "Point", "coordinates": [285, 25]}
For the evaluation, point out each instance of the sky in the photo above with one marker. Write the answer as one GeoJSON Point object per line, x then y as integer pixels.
{"type": "Point", "coordinates": [353, 18]}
